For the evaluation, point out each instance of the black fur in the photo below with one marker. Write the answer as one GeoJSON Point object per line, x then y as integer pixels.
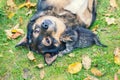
{"type": "Point", "coordinates": [79, 38]}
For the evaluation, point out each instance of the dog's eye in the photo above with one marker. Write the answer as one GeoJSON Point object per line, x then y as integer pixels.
{"type": "Point", "coordinates": [47, 40]}
{"type": "Point", "coordinates": [36, 31]}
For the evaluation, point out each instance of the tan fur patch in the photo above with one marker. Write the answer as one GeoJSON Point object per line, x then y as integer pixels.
{"type": "Point", "coordinates": [59, 3]}
{"type": "Point", "coordinates": [60, 26]}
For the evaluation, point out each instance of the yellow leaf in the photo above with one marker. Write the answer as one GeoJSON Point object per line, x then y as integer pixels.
{"type": "Point", "coordinates": [10, 15]}
{"type": "Point", "coordinates": [117, 60]}
{"type": "Point", "coordinates": [28, 5]}
{"type": "Point", "coordinates": [13, 30]}
{"type": "Point", "coordinates": [117, 56]}
{"type": "Point", "coordinates": [74, 68]}
{"type": "Point", "coordinates": [31, 56]}
{"type": "Point", "coordinates": [96, 72]}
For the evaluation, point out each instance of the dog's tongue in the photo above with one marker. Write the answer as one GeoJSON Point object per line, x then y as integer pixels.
{"type": "Point", "coordinates": [49, 59]}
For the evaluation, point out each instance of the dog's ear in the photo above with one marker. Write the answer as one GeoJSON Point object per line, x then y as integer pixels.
{"type": "Point", "coordinates": [23, 42]}
{"type": "Point", "coordinates": [49, 59]}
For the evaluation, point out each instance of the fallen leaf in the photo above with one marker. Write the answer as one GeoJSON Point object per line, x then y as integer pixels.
{"type": "Point", "coordinates": [10, 15]}
{"type": "Point", "coordinates": [117, 56]}
{"type": "Point", "coordinates": [11, 3]}
{"type": "Point", "coordinates": [110, 20]}
{"type": "Point", "coordinates": [94, 30]}
{"type": "Point", "coordinates": [42, 74]}
{"type": "Point", "coordinates": [28, 13]}
{"type": "Point", "coordinates": [86, 61]}
{"type": "Point", "coordinates": [117, 51]}
{"type": "Point", "coordinates": [115, 77]}
{"type": "Point", "coordinates": [96, 72]}
{"type": "Point", "coordinates": [26, 73]}
{"type": "Point", "coordinates": [27, 4]}
{"type": "Point", "coordinates": [74, 67]}
{"type": "Point", "coordinates": [9, 34]}
{"type": "Point", "coordinates": [14, 33]}
{"type": "Point", "coordinates": [113, 4]}
{"type": "Point", "coordinates": [91, 78]}
{"type": "Point", "coordinates": [30, 56]}
{"type": "Point", "coordinates": [40, 66]}
{"type": "Point", "coordinates": [71, 55]}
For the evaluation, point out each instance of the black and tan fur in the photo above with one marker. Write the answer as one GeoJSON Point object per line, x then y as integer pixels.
{"type": "Point", "coordinates": [78, 38]}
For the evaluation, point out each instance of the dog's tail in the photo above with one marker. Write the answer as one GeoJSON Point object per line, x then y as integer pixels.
{"type": "Point", "coordinates": [97, 42]}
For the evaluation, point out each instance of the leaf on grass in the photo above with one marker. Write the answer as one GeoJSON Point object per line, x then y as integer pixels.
{"type": "Point", "coordinates": [10, 15]}
{"type": "Point", "coordinates": [42, 74]}
{"type": "Point", "coordinates": [30, 56]}
{"type": "Point", "coordinates": [86, 61]}
{"type": "Point", "coordinates": [110, 20]}
{"type": "Point", "coordinates": [27, 4]}
{"type": "Point", "coordinates": [11, 3]}
{"type": "Point", "coordinates": [89, 77]}
{"type": "Point", "coordinates": [94, 30]}
{"type": "Point", "coordinates": [113, 4]}
{"type": "Point", "coordinates": [117, 56]}
{"type": "Point", "coordinates": [14, 33]}
{"type": "Point", "coordinates": [71, 55]}
{"type": "Point", "coordinates": [26, 73]}
{"type": "Point", "coordinates": [40, 66]}
{"type": "Point", "coordinates": [74, 67]}
{"type": "Point", "coordinates": [115, 77]}
{"type": "Point", "coordinates": [28, 13]}
{"type": "Point", "coordinates": [96, 72]}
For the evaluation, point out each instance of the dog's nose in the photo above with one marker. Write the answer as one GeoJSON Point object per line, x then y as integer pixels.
{"type": "Point", "coordinates": [45, 24]}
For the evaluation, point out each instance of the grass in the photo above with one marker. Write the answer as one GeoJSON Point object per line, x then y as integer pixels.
{"type": "Point", "coordinates": [14, 60]}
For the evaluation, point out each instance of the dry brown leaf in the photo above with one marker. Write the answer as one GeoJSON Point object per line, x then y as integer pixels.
{"type": "Point", "coordinates": [74, 67]}
{"type": "Point", "coordinates": [96, 72]}
{"type": "Point", "coordinates": [14, 33]}
{"type": "Point", "coordinates": [11, 3]}
{"type": "Point", "coordinates": [40, 65]}
{"type": "Point", "coordinates": [115, 77]}
{"type": "Point", "coordinates": [42, 74]}
{"type": "Point", "coordinates": [26, 73]}
{"type": "Point", "coordinates": [86, 61]}
{"type": "Point", "coordinates": [91, 78]}
{"type": "Point", "coordinates": [30, 56]}
{"type": "Point", "coordinates": [71, 55]}
{"type": "Point", "coordinates": [117, 56]}
{"type": "Point", "coordinates": [113, 4]}
{"type": "Point", "coordinates": [110, 20]}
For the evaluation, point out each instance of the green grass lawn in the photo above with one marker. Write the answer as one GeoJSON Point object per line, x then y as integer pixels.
{"type": "Point", "coordinates": [14, 60]}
